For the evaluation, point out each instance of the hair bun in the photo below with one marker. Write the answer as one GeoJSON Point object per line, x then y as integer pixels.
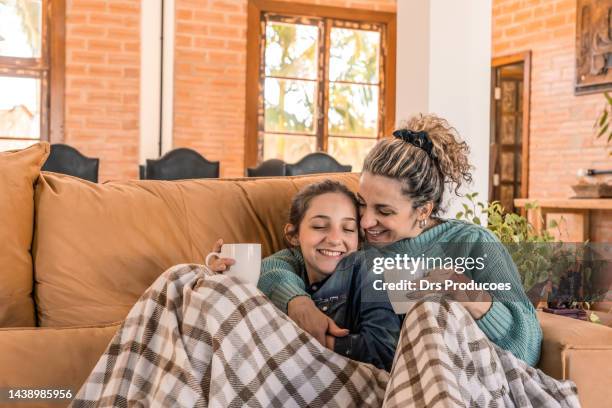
{"type": "Point", "coordinates": [419, 139]}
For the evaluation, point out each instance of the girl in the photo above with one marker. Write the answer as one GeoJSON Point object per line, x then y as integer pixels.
{"type": "Point", "coordinates": [323, 229]}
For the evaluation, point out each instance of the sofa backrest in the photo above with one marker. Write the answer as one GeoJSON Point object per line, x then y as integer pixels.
{"type": "Point", "coordinates": [18, 173]}
{"type": "Point", "coordinates": [97, 247]}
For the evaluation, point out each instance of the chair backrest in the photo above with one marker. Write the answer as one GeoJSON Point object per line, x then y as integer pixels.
{"type": "Point", "coordinates": [68, 160]}
{"type": "Point", "coordinates": [269, 168]}
{"type": "Point", "coordinates": [314, 163]}
{"type": "Point", "coordinates": [181, 164]}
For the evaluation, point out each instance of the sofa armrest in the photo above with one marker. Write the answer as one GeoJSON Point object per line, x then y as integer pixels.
{"type": "Point", "coordinates": [579, 351]}
{"type": "Point", "coordinates": [50, 358]}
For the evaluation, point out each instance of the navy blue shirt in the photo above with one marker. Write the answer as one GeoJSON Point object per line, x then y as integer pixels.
{"type": "Point", "coordinates": [348, 297]}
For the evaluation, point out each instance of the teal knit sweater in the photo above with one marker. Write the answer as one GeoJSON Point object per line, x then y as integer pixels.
{"type": "Point", "coordinates": [510, 322]}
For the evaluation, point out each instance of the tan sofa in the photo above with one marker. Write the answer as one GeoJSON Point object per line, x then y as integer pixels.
{"type": "Point", "coordinates": [96, 247]}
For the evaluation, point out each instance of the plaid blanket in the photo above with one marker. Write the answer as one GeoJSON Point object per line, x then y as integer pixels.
{"type": "Point", "coordinates": [195, 339]}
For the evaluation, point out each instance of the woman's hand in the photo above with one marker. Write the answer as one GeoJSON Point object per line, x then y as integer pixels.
{"type": "Point", "coordinates": [219, 265]}
{"type": "Point", "coordinates": [303, 311]}
{"type": "Point", "coordinates": [476, 302]}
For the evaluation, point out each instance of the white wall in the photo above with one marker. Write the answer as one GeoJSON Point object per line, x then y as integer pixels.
{"type": "Point", "coordinates": [150, 71]}
{"type": "Point", "coordinates": [152, 92]}
{"type": "Point", "coordinates": [412, 78]}
{"type": "Point", "coordinates": [444, 58]}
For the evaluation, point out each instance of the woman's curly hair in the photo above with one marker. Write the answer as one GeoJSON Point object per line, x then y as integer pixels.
{"type": "Point", "coordinates": [423, 176]}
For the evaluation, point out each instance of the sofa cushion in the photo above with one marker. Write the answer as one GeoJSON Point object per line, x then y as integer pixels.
{"type": "Point", "coordinates": [18, 173]}
{"type": "Point", "coordinates": [579, 351]}
{"type": "Point", "coordinates": [50, 358]}
{"type": "Point", "coordinates": [99, 246]}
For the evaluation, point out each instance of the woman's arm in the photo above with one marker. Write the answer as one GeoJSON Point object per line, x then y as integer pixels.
{"type": "Point", "coordinates": [510, 321]}
{"type": "Point", "coordinates": [286, 289]}
{"type": "Point", "coordinates": [279, 278]}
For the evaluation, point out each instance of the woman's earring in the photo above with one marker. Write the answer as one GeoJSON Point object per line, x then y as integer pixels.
{"type": "Point", "coordinates": [423, 223]}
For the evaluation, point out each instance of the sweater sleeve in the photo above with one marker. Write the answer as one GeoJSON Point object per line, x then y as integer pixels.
{"type": "Point", "coordinates": [279, 278]}
{"type": "Point", "coordinates": [511, 321]}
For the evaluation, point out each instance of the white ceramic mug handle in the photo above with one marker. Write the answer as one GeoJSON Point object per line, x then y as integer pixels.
{"type": "Point", "coordinates": [217, 254]}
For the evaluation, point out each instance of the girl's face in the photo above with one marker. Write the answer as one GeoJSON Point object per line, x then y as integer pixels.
{"type": "Point", "coordinates": [327, 233]}
{"type": "Point", "coordinates": [386, 213]}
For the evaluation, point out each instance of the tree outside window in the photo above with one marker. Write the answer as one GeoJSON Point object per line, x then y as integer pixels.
{"type": "Point", "coordinates": [321, 87]}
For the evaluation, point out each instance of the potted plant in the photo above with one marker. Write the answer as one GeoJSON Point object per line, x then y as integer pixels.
{"type": "Point", "coordinates": [544, 266]}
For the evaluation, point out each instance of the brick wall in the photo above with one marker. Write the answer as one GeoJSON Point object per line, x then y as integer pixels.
{"type": "Point", "coordinates": [102, 83]}
{"type": "Point", "coordinates": [210, 69]}
{"type": "Point", "coordinates": [103, 74]}
{"type": "Point", "coordinates": [561, 127]}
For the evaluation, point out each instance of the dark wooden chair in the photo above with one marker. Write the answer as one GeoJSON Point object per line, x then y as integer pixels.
{"type": "Point", "coordinates": [180, 164]}
{"type": "Point", "coordinates": [269, 168]}
{"type": "Point", "coordinates": [314, 163]}
{"type": "Point", "coordinates": [68, 160]}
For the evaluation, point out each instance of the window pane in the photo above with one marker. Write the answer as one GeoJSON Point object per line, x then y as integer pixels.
{"type": "Point", "coordinates": [349, 150]}
{"type": "Point", "coordinates": [289, 148]}
{"type": "Point", "coordinates": [19, 107]}
{"type": "Point", "coordinates": [20, 28]}
{"type": "Point", "coordinates": [353, 110]}
{"type": "Point", "coordinates": [354, 55]}
{"type": "Point", "coordinates": [291, 50]}
{"type": "Point", "coordinates": [290, 105]}
{"type": "Point", "coordinates": [8, 144]}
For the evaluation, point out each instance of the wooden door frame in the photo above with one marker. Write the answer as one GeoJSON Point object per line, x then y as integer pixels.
{"type": "Point", "coordinates": [256, 7]}
{"type": "Point", "coordinates": [57, 55]}
{"type": "Point", "coordinates": [525, 58]}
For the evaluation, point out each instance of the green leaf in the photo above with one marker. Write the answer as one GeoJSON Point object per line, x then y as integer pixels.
{"type": "Point", "coordinates": [603, 118]}
{"type": "Point", "coordinates": [608, 97]}
{"type": "Point", "coordinates": [603, 130]}
{"type": "Point", "coordinates": [459, 215]}
{"type": "Point", "coordinates": [476, 220]}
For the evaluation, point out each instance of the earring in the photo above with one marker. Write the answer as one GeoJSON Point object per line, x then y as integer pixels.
{"type": "Point", "coordinates": [423, 223]}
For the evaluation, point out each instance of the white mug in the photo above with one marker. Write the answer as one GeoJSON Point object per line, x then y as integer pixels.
{"type": "Point", "coordinates": [248, 261]}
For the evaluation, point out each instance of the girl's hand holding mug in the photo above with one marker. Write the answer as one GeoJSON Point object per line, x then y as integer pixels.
{"type": "Point", "coordinates": [215, 263]}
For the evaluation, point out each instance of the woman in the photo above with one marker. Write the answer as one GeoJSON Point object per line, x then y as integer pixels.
{"type": "Point", "coordinates": [401, 191]}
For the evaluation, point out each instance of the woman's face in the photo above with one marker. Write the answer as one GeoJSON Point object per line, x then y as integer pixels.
{"type": "Point", "coordinates": [327, 233]}
{"type": "Point", "coordinates": [386, 213]}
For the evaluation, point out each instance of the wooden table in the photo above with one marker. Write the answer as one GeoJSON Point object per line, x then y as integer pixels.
{"type": "Point", "coordinates": [572, 214]}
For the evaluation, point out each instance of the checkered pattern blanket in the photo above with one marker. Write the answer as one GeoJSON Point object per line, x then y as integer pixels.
{"type": "Point", "coordinates": [195, 340]}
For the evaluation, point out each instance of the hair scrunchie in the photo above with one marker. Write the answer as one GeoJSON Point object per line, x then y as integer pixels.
{"type": "Point", "coordinates": [419, 139]}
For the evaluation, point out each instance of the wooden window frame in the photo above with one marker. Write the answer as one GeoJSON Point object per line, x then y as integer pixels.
{"type": "Point", "coordinates": [50, 68]}
{"type": "Point", "coordinates": [254, 32]}
{"type": "Point", "coordinates": [525, 58]}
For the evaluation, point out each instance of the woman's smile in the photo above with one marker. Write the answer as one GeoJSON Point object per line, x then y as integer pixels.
{"type": "Point", "coordinates": [376, 234]}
